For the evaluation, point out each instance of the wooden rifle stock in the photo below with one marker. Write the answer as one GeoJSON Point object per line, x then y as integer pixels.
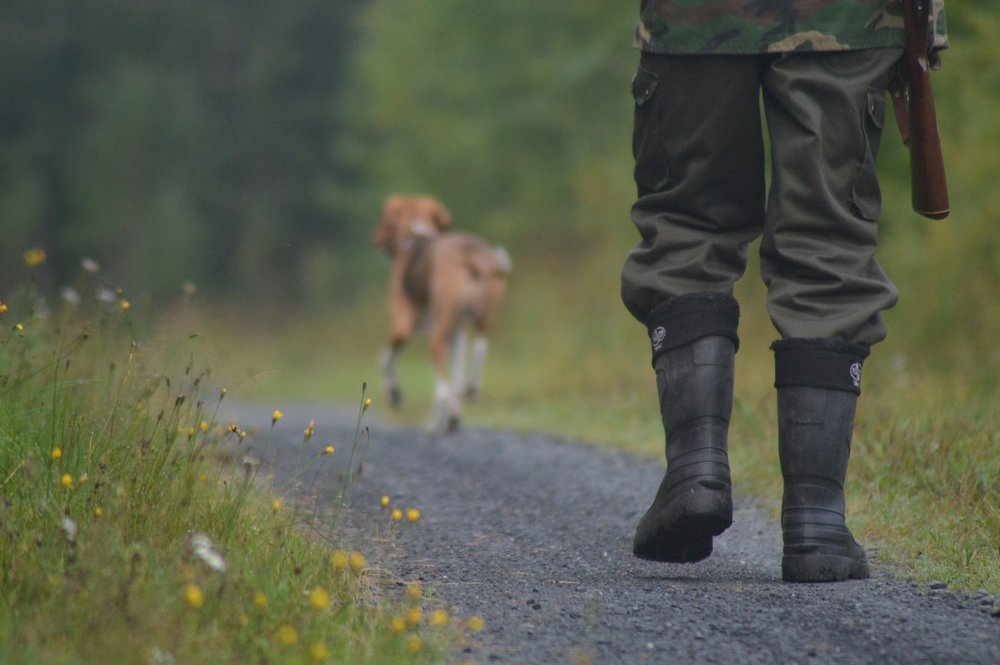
{"type": "Point", "coordinates": [929, 189]}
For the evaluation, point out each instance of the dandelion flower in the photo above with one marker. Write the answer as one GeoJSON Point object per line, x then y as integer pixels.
{"type": "Point", "coordinates": [414, 644]}
{"type": "Point", "coordinates": [319, 652]}
{"type": "Point", "coordinates": [339, 560]}
{"type": "Point", "coordinates": [276, 416]}
{"type": "Point", "coordinates": [67, 481]}
{"type": "Point", "coordinates": [414, 616]}
{"type": "Point", "coordinates": [203, 425]}
{"type": "Point", "coordinates": [288, 635]}
{"type": "Point", "coordinates": [414, 590]}
{"type": "Point", "coordinates": [397, 515]}
{"type": "Point", "coordinates": [259, 599]}
{"type": "Point", "coordinates": [19, 327]}
{"type": "Point", "coordinates": [385, 501]}
{"type": "Point", "coordinates": [413, 514]}
{"type": "Point", "coordinates": [319, 599]}
{"type": "Point", "coordinates": [193, 596]}
{"type": "Point", "coordinates": [397, 625]}
{"type": "Point", "coordinates": [357, 561]}
{"type": "Point", "coordinates": [368, 402]}
{"type": "Point", "coordinates": [98, 511]}
{"type": "Point", "coordinates": [276, 505]}
{"type": "Point", "coordinates": [56, 454]}
{"type": "Point", "coordinates": [476, 623]}
{"type": "Point", "coordinates": [125, 304]}
{"type": "Point", "coordinates": [439, 618]}
{"type": "Point", "coordinates": [34, 257]}
{"type": "Point", "coordinates": [3, 308]}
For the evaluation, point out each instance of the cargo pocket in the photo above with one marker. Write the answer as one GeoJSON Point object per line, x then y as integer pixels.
{"type": "Point", "coordinates": [866, 196]}
{"type": "Point", "coordinates": [651, 172]}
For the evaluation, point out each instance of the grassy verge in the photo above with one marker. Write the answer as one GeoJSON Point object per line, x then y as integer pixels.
{"type": "Point", "coordinates": [126, 535]}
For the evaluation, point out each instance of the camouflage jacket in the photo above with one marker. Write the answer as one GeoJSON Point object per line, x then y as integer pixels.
{"type": "Point", "coordinates": [775, 26]}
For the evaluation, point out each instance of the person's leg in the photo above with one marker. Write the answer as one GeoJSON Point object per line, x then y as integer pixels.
{"type": "Point", "coordinates": [825, 113]}
{"type": "Point", "coordinates": [825, 290]}
{"type": "Point", "coordinates": [699, 171]}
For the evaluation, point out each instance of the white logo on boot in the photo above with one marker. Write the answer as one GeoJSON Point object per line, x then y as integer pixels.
{"type": "Point", "coordinates": [657, 336]}
{"type": "Point", "coordinates": [856, 374]}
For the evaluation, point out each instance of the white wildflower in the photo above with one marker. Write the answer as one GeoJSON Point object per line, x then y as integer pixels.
{"type": "Point", "coordinates": [201, 546]}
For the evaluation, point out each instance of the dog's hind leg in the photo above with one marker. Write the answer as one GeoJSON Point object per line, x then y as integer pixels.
{"type": "Point", "coordinates": [387, 367]}
{"type": "Point", "coordinates": [447, 407]}
{"type": "Point", "coordinates": [474, 380]}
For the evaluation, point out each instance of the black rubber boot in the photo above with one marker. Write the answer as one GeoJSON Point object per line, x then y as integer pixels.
{"type": "Point", "coordinates": [818, 382]}
{"type": "Point", "coordinates": [694, 346]}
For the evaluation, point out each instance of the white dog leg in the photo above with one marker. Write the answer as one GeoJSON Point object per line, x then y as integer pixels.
{"type": "Point", "coordinates": [387, 365]}
{"type": "Point", "coordinates": [480, 346]}
{"type": "Point", "coordinates": [444, 418]}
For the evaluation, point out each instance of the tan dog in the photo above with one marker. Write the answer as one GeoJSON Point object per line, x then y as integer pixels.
{"type": "Point", "coordinates": [451, 280]}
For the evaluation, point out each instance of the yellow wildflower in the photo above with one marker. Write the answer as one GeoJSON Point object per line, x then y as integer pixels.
{"type": "Point", "coordinates": [385, 501]}
{"type": "Point", "coordinates": [3, 307]}
{"type": "Point", "coordinates": [98, 511]}
{"type": "Point", "coordinates": [259, 599]}
{"type": "Point", "coordinates": [203, 425]}
{"type": "Point", "coordinates": [414, 616]}
{"type": "Point", "coordinates": [397, 515]}
{"type": "Point", "coordinates": [67, 481]}
{"type": "Point", "coordinates": [476, 623]}
{"type": "Point", "coordinates": [276, 505]}
{"type": "Point", "coordinates": [309, 430]}
{"type": "Point", "coordinates": [318, 652]}
{"type": "Point", "coordinates": [34, 257]}
{"type": "Point", "coordinates": [19, 327]}
{"type": "Point", "coordinates": [125, 304]}
{"type": "Point", "coordinates": [328, 450]}
{"type": "Point", "coordinates": [288, 635]}
{"type": "Point", "coordinates": [339, 560]}
{"type": "Point", "coordinates": [56, 453]}
{"type": "Point", "coordinates": [357, 561]}
{"type": "Point", "coordinates": [413, 514]}
{"type": "Point", "coordinates": [397, 625]}
{"type": "Point", "coordinates": [193, 596]}
{"type": "Point", "coordinates": [439, 618]}
{"type": "Point", "coordinates": [414, 590]}
{"type": "Point", "coordinates": [319, 599]}
{"type": "Point", "coordinates": [276, 416]}
{"type": "Point", "coordinates": [368, 402]}
{"type": "Point", "coordinates": [222, 393]}
{"type": "Point", "coordinates": [414, 644]}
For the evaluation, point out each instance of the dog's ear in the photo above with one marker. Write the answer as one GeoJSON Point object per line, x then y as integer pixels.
{"type": "Point", "coordinates": [436, 211]}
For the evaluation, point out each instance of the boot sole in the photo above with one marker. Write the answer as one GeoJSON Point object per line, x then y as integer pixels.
{"type": "Point", "coordinates": [669, 537]}
{"type": "Point", "coordinates": [822, 568]}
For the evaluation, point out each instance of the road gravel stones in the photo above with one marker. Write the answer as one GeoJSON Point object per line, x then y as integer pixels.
{"type": "Point", "coordinates": [534, 534]}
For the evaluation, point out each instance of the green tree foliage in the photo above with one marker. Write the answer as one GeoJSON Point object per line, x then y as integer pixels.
{"type": "Point", "coordinates": [176, 141]}
{"type": "Point", "coordinates": [516, 114]}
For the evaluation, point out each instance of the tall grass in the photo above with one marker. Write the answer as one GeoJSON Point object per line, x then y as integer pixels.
{"type": "Point", "coordinates": [129, 535]}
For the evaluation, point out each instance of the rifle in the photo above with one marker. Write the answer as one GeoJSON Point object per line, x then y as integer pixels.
{"type": "Point", "coordinates": [914, 106]}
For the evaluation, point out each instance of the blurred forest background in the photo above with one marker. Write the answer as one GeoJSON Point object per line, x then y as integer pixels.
{"type": "Point", "coordinates": [245, 147]}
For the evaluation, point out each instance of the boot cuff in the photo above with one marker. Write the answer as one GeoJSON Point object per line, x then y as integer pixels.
{"type": "Point", "coordinates": [823, 362]}
{"type": "Point", "coordinates": [684, 319]}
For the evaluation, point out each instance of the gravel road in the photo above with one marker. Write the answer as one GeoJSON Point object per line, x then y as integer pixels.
{"type": "Point", "coordinates": [533, 533]}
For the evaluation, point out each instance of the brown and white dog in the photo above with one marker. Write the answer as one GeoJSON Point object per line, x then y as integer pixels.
{"type": "Point", "coordinates": [452, 281]}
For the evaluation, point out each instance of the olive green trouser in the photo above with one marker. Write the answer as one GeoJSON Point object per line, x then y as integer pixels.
{"type": "Point", "coordinates": [699, 167]}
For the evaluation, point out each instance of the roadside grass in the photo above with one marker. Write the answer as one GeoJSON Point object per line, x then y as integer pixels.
{"type": "Point", "coordinates": [131, 533]}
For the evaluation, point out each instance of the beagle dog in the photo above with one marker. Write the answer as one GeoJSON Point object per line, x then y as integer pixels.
{"type": "Point", "coordinates": [452, 281]}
